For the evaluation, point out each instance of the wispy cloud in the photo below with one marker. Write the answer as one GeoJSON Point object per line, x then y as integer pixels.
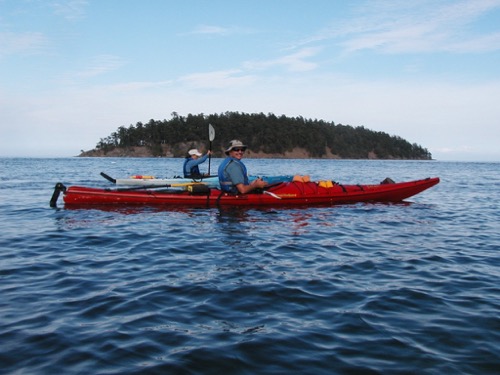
{"type": "Point", "coordinates": [211, 30]}
{"type": "Point", "coordinates": [412, 27]}
{"type": "Point", "coordinates": [295, 62]}
{"type": "Point", "coordinates": [240, 77]}
{"type": "Point", "coordinates": [140, 86]}
{"type": "Point", "coordinates": [486, 43]}
{"type": "Point", "coordinates": [219, 30]}
{"type": "Point", "coordinates": [100, 65]}
{"type": "Point", "coordinates": [25, 43]}
{"type": "Point", "coordinates": [69, 9]}
{"type": "Point", "coordinates": [218, 80]}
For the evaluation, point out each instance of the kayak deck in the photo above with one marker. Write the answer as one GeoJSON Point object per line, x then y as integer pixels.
{"type": "Point", "coordinates": [211, 181]}
{"type": "Point", "coordinates": [281, 194]}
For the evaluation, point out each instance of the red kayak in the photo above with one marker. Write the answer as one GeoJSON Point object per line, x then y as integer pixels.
{"type": "Point", "coordinates": [282, 194]}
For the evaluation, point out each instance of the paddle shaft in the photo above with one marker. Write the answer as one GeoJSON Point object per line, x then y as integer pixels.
{"type": "Point", "coordinates": [209, 157]}
{"type": "Point", "coordinates": [211, 136]}
{"type": "Point", "coordinates": [150, 186]}
{"type": "Point", "coordinates": [182, 185]}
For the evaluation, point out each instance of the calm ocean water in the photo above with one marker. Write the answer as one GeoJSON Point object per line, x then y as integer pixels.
{"type": "Point", "coordinates": [352, 289]}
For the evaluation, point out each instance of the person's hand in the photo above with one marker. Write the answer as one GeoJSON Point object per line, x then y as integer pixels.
{"type": "Point", "coordinates": [260, 183]}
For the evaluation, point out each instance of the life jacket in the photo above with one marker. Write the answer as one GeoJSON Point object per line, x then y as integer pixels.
{"type": "Point", "coordinates": [225, 183]}
{"type": "Point", "coordinates": [194, 172]}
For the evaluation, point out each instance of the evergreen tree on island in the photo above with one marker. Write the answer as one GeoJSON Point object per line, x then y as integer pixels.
{"type": "Point", "coordinates": [266, 136]}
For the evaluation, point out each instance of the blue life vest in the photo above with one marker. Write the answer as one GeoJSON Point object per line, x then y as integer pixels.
{"type": "Point", "coordinates": [225, 182]}
{"type": "Point", "coordinates": [194, 172]}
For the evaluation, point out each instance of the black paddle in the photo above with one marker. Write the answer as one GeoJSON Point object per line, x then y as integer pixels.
{"type": "Point", "coordinates": [146, 186]}
{"type": "Point", "coordinates": [140, 187]}
{"type": "Point", "coordinates": [211, 136]}
{"type": "Point", "coordinates": [109, 178]}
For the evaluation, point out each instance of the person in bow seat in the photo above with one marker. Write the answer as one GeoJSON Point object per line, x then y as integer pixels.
{"type": "Point", "coordinates": [193, 159]}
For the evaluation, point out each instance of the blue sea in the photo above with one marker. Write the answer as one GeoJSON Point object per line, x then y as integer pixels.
{"type": "Point", "coordinates": [410, 288]}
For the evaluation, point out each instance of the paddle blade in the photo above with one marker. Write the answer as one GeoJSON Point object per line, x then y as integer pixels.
{"type": "Point", "coordinates": [211, 132]}
{"type": "Point", "coordinates": [109, 178]}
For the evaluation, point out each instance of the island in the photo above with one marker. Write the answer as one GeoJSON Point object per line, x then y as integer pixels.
{"type": "Point", "coordinates": [266, 135]}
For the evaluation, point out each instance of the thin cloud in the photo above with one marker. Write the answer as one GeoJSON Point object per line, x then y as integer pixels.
{"type": "Point", "coordinates": [218, 80]}
{"type": "Point", "coordinates": [140, 86]}
{"type": "Point", "coordinates": [101, 65]}
{"type": "Point", "coordinates": [486, 43]}
{"type": "Point", "coordinates": [211, 30]}
{"type": "Point", "coordinates": [219, 30]}
{"type": "Point", "coordinates": [413, 29]}
{"type": "Point", "coordinates": [70, 9]}
{"type": "Point", "coordinates": [406, 27]}
{"type": "Point", "coordinates": [25, 43]}
{"type": "Point", "coordinates": [295, 62]}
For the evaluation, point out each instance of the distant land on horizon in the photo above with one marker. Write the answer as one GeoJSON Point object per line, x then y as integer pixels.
{"type": "Point", "coordinates": [267, 136]}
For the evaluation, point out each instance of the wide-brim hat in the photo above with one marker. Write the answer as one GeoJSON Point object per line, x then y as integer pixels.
{"type": "Point", "coordinates": [194, 151]}
{"type": "Point", "coordinates": [235, 144]}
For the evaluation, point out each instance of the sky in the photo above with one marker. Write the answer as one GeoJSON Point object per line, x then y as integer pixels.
{"type": "Point", "coordinates": [74, 71]}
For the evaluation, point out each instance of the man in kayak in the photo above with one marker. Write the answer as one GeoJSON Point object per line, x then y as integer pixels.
{"type": "Point", "coordinates": [193, 159]}
{"type": "Point", "coordinates": [233, 176]}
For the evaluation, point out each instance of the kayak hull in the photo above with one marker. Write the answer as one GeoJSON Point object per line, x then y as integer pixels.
{"type": "Point", "coordinates": [282, 194]}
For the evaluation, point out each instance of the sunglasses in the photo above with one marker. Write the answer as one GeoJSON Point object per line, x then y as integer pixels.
{"type": "Point", "coordinates": [239, 149]}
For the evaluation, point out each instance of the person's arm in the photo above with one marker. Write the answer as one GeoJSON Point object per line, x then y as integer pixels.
{"type": "Point", "coordinates": [192, 163]}
{"type": "Point", "coordinates": [235, 174]}
{"type": "Point", "coordinates": [255, 184]}
{"type": "Point", "coordinates": [202, 159]}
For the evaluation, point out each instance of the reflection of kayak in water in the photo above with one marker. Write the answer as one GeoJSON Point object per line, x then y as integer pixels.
{"type": "Point", "coordinates": [210, 181]}
{"type": "Point", "coordinates": [291, 193]}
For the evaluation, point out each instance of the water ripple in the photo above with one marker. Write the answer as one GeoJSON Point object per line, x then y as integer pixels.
{"type": "Point", "coordinates": [362, 288]}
